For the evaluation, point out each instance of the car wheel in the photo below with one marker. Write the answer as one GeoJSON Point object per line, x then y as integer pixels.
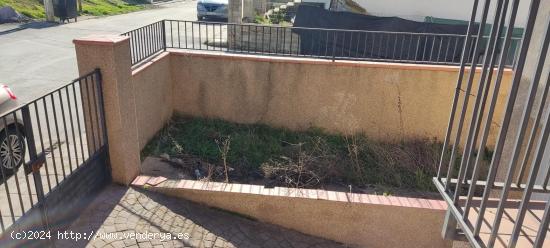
{"type": "Point", "coordinates": [200, 18]}
{"type": "Point", "coordinates": [12, 150]}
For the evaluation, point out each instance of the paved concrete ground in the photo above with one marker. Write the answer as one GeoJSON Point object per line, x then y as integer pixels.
{"type": "Point", "coordinates": [39, 57]}
{"type": "Point", "coordinates": [119, 210]}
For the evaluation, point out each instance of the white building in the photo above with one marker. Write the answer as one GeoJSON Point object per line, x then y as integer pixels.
{"type": "Point", "coordinates": [417, 10]}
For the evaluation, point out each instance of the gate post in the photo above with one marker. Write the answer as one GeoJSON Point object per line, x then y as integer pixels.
{"type": "Point", "coordinates": [111, 55]}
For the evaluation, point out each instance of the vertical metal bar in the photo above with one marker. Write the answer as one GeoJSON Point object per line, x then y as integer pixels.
{"type": "Point", "coordinates": [290, 48]}
{"type": "Point", "coordinates": [159, 34]}
{"type": "Point", "coordinates": [343, 44]}
{"type": "Point", "coordinates": [530, 144]}
{"type": "Point", "coordinates": [89, 112]}
{"type": "Point", "coordinates": [136, 34]}
{"type": "Point", "coordinates": [284, 40]}
{"type": "Point", "coordinates": [440, 46]}
{"type": "Point", "coordinates": [263, 38]}
{"type": "Point", "coordinates": [486, 77]}
{"type": "Point", "coordinates": [350, 43]}
{"type": "Point", "coordinates": [542, 144]}
{"type": "Point", "coordinates": [30, 142]}
{"type": "Point", "coordinates": [410, 46]}
{"type": "Point", "coordinates": [11, 162]}
{"type": "Point", "coordinates": [132, 47]}
{"type": "Point", "coordinates": [52, 148]}
{"type": "Point", "coordinates": [312, 45]}
{"type": "Point", "coordinates": [103, 121]}
{"type": "Point", "coordinates": [457, 92]}
{"type": "Point", "coordinates": [96, 110]}
{"type": "Point", "coordinates": [193, 34]}
{"type": "Point", "coordinates": [42, 145]}
{"type": "Point", "coordinates": [381, 51]}
{"type": "Point", "coordinates": [269, 44]}
{"type": "Point", "coordinates": [417, 48]}
{"type": "Point", "coordinates": [171, 33]}
{"type": "Point", "coordinates": [373, 44]}
{"type": "Point", "coordinates": [425, 47]}
{"type": "Point", "coordinates": [433, 46]}
{"type": "Point", "coordinates": [179, 34]}
{"type": "Point", "coordinates": [185, 30]}
{"type": "Point", "coordinates": [509, 108]}
{"type": "Point", "coordinates": [148, 41]}
{"type": "Point", "coordinates": [255, 38]}
{"type": "Point", "coordinates": [447, 48]}
{"type": "Point", "coordinates": [2, 222]}
{"type": "Point", "coordinates": [470, 141]}
{"type": "Point", "coordinates": [221, 35]}
{"type": "Point", "coordinates": [535, 166]}
{"type": "Point", "coordinates": [142, 44]}
{"type": "Point", "coordinates": [77, 113]}
{"type": "Point", "coordinates": [241, 48]}
{"type": "Point", "coordinates": [394, 45]}
{"type": "Point", "coordinates": [335, 39]}
{"type": "Point", "coordinates": [402, 47]}
{"type": "Point", "coordinates": [543, 227]}
{"type": "Point", "coordinates": [153, 39]}
{"type": "Point", "coordinates": [72, 125]}
{"type": "Point", "coordinates": [365, 45]}
{"type": "Point", "coordinates": [277, 41]}
{"type": "Point", "coordinates": [8, 194]}
{"type": "Point", "coordinates": [156, 39]}
{"type": "Point", "coordinates": [35, 170]}
{"type": "Point", "coordinates": [58, 137]}
{"type": "Point", "coordinates": [66, 132]}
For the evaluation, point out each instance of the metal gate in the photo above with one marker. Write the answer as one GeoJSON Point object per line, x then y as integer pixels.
{"type": "Point", "coordinates": [498, 194]}
{"type": "Point", "coordinates": [53, 151]}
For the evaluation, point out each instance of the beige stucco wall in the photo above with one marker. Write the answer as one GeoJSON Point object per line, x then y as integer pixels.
{"type": "Point", "coordinates": [355, 219]}
{"type": "Point", "coordinates": [111, 54]}
{"type": "Point", "coordinates": [385, 101]}
{"type": "Point", "coordinates": [153, 92]}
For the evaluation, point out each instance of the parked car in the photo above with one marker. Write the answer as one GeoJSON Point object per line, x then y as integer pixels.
{"type": "Point", "coordinates": [12, 135]}
{"type": "Point", "coordinates": [212, 9]}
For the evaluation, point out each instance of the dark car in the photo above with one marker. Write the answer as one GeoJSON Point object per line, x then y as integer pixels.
{"type": "Point", "coordinates": [212, 9]}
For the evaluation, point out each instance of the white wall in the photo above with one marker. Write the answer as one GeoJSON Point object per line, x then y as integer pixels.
{"type": "Point", "coordinates": [416, 10]}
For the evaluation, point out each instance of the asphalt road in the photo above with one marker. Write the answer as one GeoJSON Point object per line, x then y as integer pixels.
{"type": "Point", "coordinates": [39, 57]}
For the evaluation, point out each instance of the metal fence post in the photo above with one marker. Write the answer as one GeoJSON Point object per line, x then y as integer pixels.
{"type": "Point", "coordinates": [36, 164]}
{"type": "Point", "coordinates": [164, 35]}
{"type": "Point", "coordinates": [334, 47]}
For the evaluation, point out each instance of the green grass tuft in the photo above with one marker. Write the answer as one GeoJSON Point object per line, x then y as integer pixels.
{"type": "Point", "coordinates": [408, 164]}
{"type": "Point", "coordinates": [34, 8]}
{"type": "Point", "coordinates": [30, 8]}
{"type": "Point", "coordinates": [111, 7]}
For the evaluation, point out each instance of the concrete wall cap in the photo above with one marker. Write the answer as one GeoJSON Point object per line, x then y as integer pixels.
{"type": "Point", "coordinates": [101, 39]}
{"type": "Point", "coordinates": [367, 64]}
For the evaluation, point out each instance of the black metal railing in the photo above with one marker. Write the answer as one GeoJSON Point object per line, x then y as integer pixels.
{"type": "Point", "coordinates": [42, 144]}
{"type": "Point", "coordinates": [333, 44]}
{"type": "Point", "coordinates": [146, 41]}
{"type": "Point", "coordinates": [498, 193]}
